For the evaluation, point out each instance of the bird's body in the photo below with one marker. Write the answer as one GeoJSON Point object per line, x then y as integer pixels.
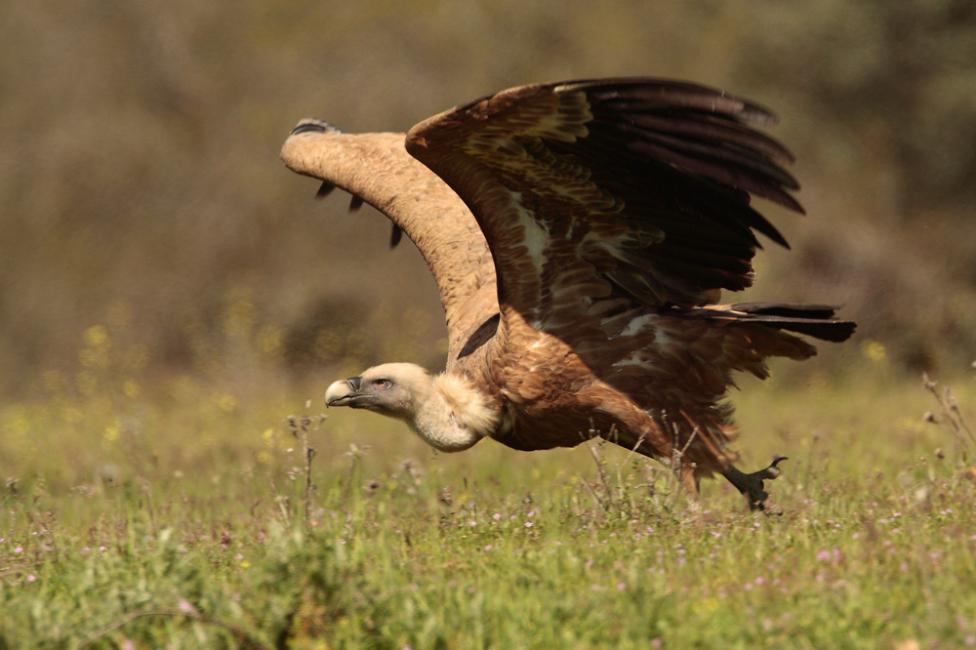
{"type": "Point", "coordinates": [579, 234]}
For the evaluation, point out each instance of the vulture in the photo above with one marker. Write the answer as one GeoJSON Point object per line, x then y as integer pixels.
{"type": "Point", "coordinates": [580, 233]}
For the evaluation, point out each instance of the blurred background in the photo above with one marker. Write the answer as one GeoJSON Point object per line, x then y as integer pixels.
{"type": "Point", "coordinates": [148, 227]}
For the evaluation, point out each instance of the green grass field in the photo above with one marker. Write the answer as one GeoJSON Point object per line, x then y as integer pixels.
{"type": "Point", "coordinates": [175, 514]}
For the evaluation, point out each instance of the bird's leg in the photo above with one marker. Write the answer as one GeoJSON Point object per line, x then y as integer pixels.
{"type": "Point", "coordinates": [751, 485]}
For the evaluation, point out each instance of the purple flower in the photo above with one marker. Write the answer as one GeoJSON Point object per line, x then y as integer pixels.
{"type": "Point", "coordinates": [187, 607]}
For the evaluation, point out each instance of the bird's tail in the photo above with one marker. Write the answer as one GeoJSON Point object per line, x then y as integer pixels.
{"type": "Point", "coordinates": [812, 320]}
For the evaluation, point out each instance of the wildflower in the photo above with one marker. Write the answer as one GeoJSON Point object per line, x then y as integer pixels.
{"type": "Point", "coordinates": [18, 550]}
{"type": "Point", "coordinates": [656, 642]}
{"type": "Point", "coordinates": [31, 577]}
{"type": "Point", "coordinates": [496, 517]}
{"type": "Point", "coordinates": [823, 555]}
{"type": "Point", "coordinates": [96, 336]}
{"type": "Point", "coordinates": [187, 607]}
{"type": "Point", "coordinates": [529, 524]}
{"type": "Point", "coordinates": [226, 402]}
{"type": "Point", "coordinates": [130, 389]}
{"type": "Point", "coordinates": [874, 351]}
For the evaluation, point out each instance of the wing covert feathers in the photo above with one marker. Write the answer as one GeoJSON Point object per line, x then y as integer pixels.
{"type": "Point", "coordinates": [637, 187]}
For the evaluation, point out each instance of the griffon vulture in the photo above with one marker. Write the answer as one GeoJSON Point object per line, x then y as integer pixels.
{"type": "Point", "coordinates": [579, 234]}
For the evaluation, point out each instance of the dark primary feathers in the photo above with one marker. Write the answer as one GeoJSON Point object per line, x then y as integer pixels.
{"type": "Point", "coordinates": [649, 179]}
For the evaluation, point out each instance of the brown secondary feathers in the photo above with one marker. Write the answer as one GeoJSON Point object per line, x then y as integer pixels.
{"type": "Point", "coordinates": [615, 211]}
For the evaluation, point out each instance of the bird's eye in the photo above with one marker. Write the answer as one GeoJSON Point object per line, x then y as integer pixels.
{"type": "Point", "coordinates": [382, 383]}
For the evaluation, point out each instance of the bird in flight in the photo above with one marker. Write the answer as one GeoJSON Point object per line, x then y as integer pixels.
{"type": "Point", "coordinates": [580, 234]}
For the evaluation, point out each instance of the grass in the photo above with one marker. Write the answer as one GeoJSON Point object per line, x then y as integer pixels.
{"type": "Point", "coordinates": [177, 515]}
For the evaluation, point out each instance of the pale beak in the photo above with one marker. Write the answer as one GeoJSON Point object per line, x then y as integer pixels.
{"type": "Point", "coordinates": [345, 392]}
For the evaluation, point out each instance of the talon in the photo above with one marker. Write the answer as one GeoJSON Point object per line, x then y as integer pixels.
{"type": "Point", "coordinates": [751, 485]}
{"type": "Point", "coordinates": [773, 470]}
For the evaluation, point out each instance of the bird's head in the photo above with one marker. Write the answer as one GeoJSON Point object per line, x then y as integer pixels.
{"type": "Point", "coordinates": [393, 389]}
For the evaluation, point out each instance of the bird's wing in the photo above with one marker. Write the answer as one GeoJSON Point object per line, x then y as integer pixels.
{"type": "Point", "coordinates": [375, 169]}
{"type": "Point", "coordinates": [591, 193]}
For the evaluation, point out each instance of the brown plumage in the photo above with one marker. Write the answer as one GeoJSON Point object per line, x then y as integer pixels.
{"type": "Point", "coordinates": [615, 211]}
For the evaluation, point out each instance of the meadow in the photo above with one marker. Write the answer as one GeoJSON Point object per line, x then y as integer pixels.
{"type": "Point", "coordinates": [184, 512]}
{"type": "Point", "coordinates": [174, 303]}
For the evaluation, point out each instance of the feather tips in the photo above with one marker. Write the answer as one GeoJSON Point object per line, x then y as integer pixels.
{"type": "Point", "coordinates": [646, 182]}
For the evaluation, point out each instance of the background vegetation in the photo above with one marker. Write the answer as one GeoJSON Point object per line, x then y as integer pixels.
{"type": "Point", "coordinates": [140, 183]}
{"type": "Point", "coordinates": [169, 294]}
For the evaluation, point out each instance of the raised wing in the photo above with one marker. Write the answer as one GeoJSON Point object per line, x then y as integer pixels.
{"type": "Point", "coordinates": [596, 195]}
{"type": "Point", "coordinates": [375, 169]}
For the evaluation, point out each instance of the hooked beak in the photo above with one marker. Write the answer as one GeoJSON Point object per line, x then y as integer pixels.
{"type": "Point", "coordinates": [346, 392]}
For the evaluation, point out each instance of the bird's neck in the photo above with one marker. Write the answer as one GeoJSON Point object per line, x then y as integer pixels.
{"type": "Point", "coordinates": [455, 415]}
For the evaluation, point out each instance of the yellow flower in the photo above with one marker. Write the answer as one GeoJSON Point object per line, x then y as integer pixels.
{"type": "Point", "coordinates": [96, 336]}
{"type": "Point", "coordinates": [874, 351]}
{"type": "Point", "coordinates": [706, 606]}
{"type": "Point", "coordinates": [111, 433]}
{"type": "Point", "coordinates": [226, 402]}
{"type": "Point", "coordinates": [130, 388]}
{"type": "Point", "coordinates": [244, 564]}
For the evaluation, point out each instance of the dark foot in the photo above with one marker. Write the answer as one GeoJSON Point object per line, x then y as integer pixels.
{"type": "Point", "coordinates": [751, 485]}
